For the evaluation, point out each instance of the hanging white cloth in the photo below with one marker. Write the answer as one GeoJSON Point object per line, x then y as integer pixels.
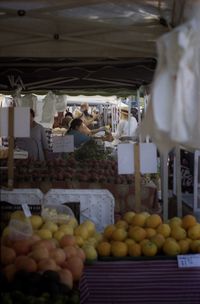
{"type": "Point", "coordinates": [29, 100]}
{"type": "Point", "coordinates": [173, 113]}
{"type": "Point", "coordinates": [49, 108]}
{"type": "Point", "coordinates": [61, 103]}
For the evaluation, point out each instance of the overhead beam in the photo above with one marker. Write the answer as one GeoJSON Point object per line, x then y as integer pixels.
{"type": "Point", "coordinates": [68, 5]}
{"type": "Point", "coordinates": [106, 44]}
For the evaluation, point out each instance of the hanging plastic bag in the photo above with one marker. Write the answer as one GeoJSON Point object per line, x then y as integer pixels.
{"type": "Point", "coordinates": [49, 108]}
{"type": "Point", "coordinates": [173, 113]}
{"type": "Point", "coordinates": [29, 100]}
{"type": "Point", "coordinates": [61, 103]}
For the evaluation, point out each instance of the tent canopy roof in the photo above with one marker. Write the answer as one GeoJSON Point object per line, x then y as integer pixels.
{"type": "Point", "coordinates": [81, 45]}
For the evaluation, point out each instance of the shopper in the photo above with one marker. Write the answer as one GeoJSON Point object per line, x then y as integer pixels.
{"type": "Point", "coordinates": [126, 127]}
{"type": "Point", "coordinates": [79, 131]}
{"type": "Point", "coordinates": [83, 114]}
{"type": "Point", "coordinates": [36, 144]}
{"type": "Point", "coordinates": [67, 120]}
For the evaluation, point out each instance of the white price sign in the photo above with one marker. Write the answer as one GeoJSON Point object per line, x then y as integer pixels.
{"type": "Point", "coordinates": [26, 210]}
{"type": "Point", "coordinates": [188, 260]}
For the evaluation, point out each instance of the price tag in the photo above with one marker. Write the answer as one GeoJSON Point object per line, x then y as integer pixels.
{"type": "Point", "coordinates": [26, 210]}
{"type": "Point", "coordinates": [188, 260]}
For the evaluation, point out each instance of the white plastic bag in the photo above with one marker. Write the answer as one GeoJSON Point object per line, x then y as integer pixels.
{"type": "Point", "coordinates": [173, 114]}
{"type": "Point", "coordinates": [49, 108]}
{"type": "Point", "coordinates": [61, 103]}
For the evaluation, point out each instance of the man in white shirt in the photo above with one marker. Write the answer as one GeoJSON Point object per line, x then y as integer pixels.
{"type": "Point", "coordinates": [126, 127]}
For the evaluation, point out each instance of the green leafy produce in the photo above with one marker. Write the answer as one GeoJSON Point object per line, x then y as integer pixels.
{"type": "Point", "coordinates": [91, 150]}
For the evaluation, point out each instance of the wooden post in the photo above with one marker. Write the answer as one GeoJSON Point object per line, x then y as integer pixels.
{"type": "Point", "coordinates": [137, 177]}
{"type": "Point", "coordinates": [178, 182]}
{"type": "Point", "coordinates": [164, 181]}
{"type": "Point", "coordinates": [10, 147]}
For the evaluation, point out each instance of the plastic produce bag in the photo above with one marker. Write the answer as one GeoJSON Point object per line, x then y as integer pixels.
{"type": "Point", "coordinates": [173, 113]}
{"type": "Point", "coordinates": [61, 103]}
{"type": "Point", "coordinates": [49, 107]}
{"type": "Point", "coordinates": [20, 229]}
{"type": "Point", "coordinates": [29, 100]}
{"type": "Point", "coordinates": [59, 214]}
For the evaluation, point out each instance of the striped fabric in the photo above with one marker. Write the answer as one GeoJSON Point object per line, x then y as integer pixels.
{"type": "Point", "coordinates": [139, 282]}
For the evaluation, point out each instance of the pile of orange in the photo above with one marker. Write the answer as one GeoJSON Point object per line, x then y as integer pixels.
{"type": "Point", "coordinates": [142, 234]}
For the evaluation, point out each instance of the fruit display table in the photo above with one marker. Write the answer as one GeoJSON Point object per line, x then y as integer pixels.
{"type": "Point", "coordinates": [141, 282]}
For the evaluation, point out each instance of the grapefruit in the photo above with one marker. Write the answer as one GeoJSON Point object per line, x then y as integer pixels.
{"type": "Point", "coordinates": [153, 221]}
{"type": "Point", "coordinates": [149, 248]}
{"type": "Point", "coordinates": [128, 216]}
{"type": "Point", "coordinates": [137, 233]}
{"type": "Point", "coordinates": [104, 249]}
{"type": "Point", "coordinates": [164, 229]}
{"type": "Point", "coordinates": [138, 220]}
{"type": "Point", "coordinates": [194, 232]}
{"type": "Point", "coordinates": [188, 221]}
{"type": "Point", "coordinates": [119, 234]}
{"type": "Point", "coordinates": [171, 248]}
{"type": "Point", "coordinates": [134, 250]}
{"type": "Point", "coordinates": [119, 249]}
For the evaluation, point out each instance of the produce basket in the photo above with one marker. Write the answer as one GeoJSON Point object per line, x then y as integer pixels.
{"type": "Point", "coordinates": [57, 213]}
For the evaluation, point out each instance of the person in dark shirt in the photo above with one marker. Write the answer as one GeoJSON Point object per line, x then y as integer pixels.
{"type": "Point", "coordinates": [79, 131]}
{"type": "Point", "coordinates": [36, 144]}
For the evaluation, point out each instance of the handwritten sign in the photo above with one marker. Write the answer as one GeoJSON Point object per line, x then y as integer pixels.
{"type": "Point", "coordinates": [188, 260]}
{"type": "Point", "coordinates": [63, 143]}
{"type": "Point", "coordinates": [148, 158]}
{"type": "Point", "coordinates": [26, 210]}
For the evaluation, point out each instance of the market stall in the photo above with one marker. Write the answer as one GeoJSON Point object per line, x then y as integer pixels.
{"type": "Point", "coordinates": [98, 236]}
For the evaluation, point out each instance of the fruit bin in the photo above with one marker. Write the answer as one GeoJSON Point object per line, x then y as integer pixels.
{"type": "Point", "coordinates": [95, 204]}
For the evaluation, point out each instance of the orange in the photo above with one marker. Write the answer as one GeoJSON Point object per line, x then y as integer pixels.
{"type": "Point", "coordinates": [119, 249]}
{"type": "Point", "coordinates": [150, 232]}
{"type": "Point", "coordinates": [194, 232]}
{"type": "Point", "coordinates": [178, 233]}
{"type": "Point", "coordinates": [175, 221]}
{"type": "Point", "coordinates": [184, 246]}
{"type": "Point", "coordinates": [149, 249]}
{"type": "Point", "coordinates": [153, 221]}
{"type": "Point", "coordinates": [134, 250]}
{"type": "Point", "coordinates": [158, 239]}
{"type": "Point", "coordinates": [138, 220]}
{"type": "Point", "coordinates": [194, 245]}
{"type": "Point", "coordinates": [188, 221]}
{"type": "Point", "coordinates": [119, 234]}
{"type": "Point", "coordinates": [122, 224]}
{"type": "Point", "coordinates": [136, 233]}
{"type": "Point", "coordinates": [104, 249]}
{"type": "Point", "coordinates": [144, 241]}
{"type": "Point", "coordinates": [164, 229]}
{"type": "Point", "coordinates": [171, 248]}
{"type": "Point", "coordinates": [108, 231]}
{"type": "Point", "coordinates": [128, 216]}
{"type": "Point", "coordinates": [129, 241]}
